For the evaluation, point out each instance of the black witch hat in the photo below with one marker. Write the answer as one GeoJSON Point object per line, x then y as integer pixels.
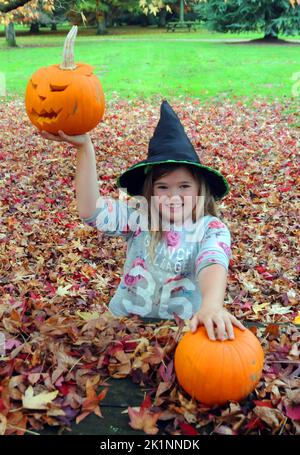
{"type": "Point", "coordinates": [170, 144]}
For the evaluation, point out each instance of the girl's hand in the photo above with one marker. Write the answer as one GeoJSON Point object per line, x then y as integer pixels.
{"type": "Point", "coordinates": [77, 141]}
{"type": "Point", "coordinates": [221, 318]}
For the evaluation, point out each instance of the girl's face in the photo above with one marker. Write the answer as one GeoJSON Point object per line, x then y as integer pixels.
{"type": "Point", "coordinates": [176, 195]}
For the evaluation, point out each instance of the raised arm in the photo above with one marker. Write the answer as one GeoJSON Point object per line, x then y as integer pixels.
{"type": "Point", "coordinates": [86, 182]}
{"type": "Point", "coordinates": [111, 216]}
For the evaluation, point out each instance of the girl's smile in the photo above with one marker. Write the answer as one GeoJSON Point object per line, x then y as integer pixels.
{"type": "Point", "coordinates": [176, 195]}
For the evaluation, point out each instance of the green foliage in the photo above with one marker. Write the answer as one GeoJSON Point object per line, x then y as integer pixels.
{"type": "Point", "coordinates": [105, 6]}
{"type": "Point", "coordinates": [269, 16]}
{"type": "Point", "coordinates": [88, 12]}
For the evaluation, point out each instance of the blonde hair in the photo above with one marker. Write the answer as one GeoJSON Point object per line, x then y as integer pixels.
{"type": "Point", "coordinates": [209, 203]}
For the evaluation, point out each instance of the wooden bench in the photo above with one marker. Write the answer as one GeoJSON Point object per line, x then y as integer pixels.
{"type": "Point", "coordinates": [181, 25]}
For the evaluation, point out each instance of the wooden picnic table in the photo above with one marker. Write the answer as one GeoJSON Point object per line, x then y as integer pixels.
{"type": "Point", "coordinates": [177, 25]}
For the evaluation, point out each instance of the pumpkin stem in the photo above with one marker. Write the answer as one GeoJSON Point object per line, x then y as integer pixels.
{"type": "Point", "coordinates": [68, 52]}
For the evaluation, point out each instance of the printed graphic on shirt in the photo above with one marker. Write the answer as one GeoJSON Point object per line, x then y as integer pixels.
{"type": "Point", "coordinates": [148, 292]}
{"type": "Point", "coordinates": [174, 259]}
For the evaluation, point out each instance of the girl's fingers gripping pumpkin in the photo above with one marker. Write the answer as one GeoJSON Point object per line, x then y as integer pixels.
{"type": "Point", "coordinates": [237, 323]}
{"type": "Point", "coordinates": [229, 328]}
{"type": "Point", "coordinates": [77, 141]}
{"type": "Point", "coordinates": [194, 324]}
{"type": "Point", "coordinates": [209, 326]}
{"type": "Point", "coordinates": [220, 329]}
{"type": "Point", "coordinates": [51, 137]}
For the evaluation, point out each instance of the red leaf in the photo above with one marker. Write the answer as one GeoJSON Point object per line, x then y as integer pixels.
{"type": "Point", "coordinates": [293, 412]}
{"type": "Point", "coordinates": [188, 429]}
{"type": "Point", "coordinates": [255, 422]}
{"type": "Point", "coordinates": [143, 419]}
{"type": "Point", "coordinates": [265, 403]}
{"type": "Point", "coordinates": [284, 189]}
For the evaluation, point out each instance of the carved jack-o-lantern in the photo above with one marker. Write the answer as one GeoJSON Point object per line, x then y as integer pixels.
{"type": "Point", "coordinates": [66, 97]}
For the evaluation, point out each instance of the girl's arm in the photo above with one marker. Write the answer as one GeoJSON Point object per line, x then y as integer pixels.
{"type": "Point", "coordinates": [111, 216]}
{"type": "Point", "coordinates": [212, 282]}
{"type": "Point", "coordinates": [86, 182]}
{"type": "Point", "coordinates": [87, 192]}
{"type": "Point", "coordinates": [211, 268]}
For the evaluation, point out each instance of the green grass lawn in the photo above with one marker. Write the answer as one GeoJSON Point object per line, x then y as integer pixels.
{"type": "Point", "coordinates": [155, 64]}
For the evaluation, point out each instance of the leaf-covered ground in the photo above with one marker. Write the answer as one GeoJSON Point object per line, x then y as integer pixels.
{"type": "Point", "coordinates": [58, 275]}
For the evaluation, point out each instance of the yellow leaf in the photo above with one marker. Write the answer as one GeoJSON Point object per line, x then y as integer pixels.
{"type": "Point", "coordinates": [39, 401]}
{"type": "Point", "coordinates": [297, 319]}
{"type": "Point", "coordinates": [87, 316]}
{"type": "Point", "coordinates": [61, 291]}
{"type": "Point", "coordinates": [259, 307]}
{"type": "Point", "coordinates": [153, 9]}
{"type": "Point", "coordinates": [3, 423]}
{"type": "Point", "coordinates": [77, 244]}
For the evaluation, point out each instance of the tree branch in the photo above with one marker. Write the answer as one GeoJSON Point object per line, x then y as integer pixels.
{"type": "Point", "coordinates": [13, 4]}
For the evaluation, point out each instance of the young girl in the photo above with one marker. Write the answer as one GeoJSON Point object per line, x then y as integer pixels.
{"type": "Point", "coordinates": [179, 263]}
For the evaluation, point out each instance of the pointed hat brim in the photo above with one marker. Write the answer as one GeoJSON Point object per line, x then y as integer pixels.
{"type": "Point", "coordinates": [132, 180]}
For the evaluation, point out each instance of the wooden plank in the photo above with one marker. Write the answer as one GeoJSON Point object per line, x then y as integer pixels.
{"type": "Point", "coordinates": [122, 393]}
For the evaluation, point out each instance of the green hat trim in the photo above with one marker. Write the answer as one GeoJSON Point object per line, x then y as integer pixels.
{"type": "Point", "coordinates": [148, 167]}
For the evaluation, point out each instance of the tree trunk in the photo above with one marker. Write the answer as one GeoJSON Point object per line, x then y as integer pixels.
{"type": "Point", "coordinates": [271, 30]}
{"type": "Point", "coordinates": [10, 35]}
{"type": "Point", "coordinates": [162, 18]}
{"type": "Point", "coordinates": [110, 18]}
{"type": "Point", "coordinates": [100, 20]}
{"type": "Point", "coordinates": [270, 37]}
{"type": "Point", "coordinates": [181, 15]}
{"type": "Point", "coordinates": [144, 20]}
{"type": "Point", "coordinates": [101, 26]}
{"type": "Point", "coordinates": [53, 27]}
{"type": "Point", "coordinates": [34, 27]}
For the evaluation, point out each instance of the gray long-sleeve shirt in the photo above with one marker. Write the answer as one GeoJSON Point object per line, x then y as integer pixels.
{"type": "Point", "coordinates": [170, 283]}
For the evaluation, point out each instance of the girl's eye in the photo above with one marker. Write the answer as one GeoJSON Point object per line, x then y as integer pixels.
{"type": "Point", "coordinates": [182, 186]}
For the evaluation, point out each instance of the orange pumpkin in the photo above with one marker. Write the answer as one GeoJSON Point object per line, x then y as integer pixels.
{"type": "Point", "coordinates": [66, 97]}
{"type": "Point", "coordinates": [215, 372]}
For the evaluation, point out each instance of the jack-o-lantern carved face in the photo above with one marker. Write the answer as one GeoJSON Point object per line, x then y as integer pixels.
{"type": "Point", "coordinates": [69, 99]}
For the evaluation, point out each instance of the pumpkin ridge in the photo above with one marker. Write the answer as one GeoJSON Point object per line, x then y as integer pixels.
{"type": "Point", "coordinates": [245, 381]}
{"type": "Point", "coordinates": [258, 364]}
{"type": "Point", "coordinates": [222, 368]}
{"type": "Point", "coordinates": [237, 361]}
{"type": "Point", "coordinates": [217, 346]}
{"type": "Point", "coordinates": [204, 360]}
